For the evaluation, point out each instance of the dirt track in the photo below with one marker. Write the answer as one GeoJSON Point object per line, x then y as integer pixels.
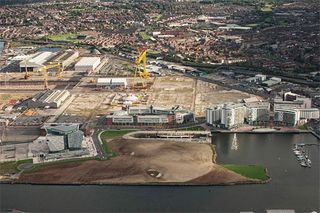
{"type": "Point", "coordinates": [177, 162]}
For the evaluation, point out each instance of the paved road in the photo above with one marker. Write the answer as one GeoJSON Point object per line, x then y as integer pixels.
{"type": "Point", "coordinates": [97, 143]}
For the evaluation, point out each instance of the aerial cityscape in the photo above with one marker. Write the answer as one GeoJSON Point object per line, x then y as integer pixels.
{"type": "Point", "coordinates": [160, 105]}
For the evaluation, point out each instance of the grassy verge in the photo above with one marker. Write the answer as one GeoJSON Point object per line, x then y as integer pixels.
{"type": "Point", "coordinates": [144, 35]}
{"type": "Point", "coordinates": [250, 171]}
{"type": "Point", "coordinates": [40, 166]}
{"type": "Point", "coordinates": [12, 166]}
{"type": "Point", "coordinates": [64, 37]}
{"type": "Point", "coordinates": [108, 135]}
{"type": "Point", "coordinates": [303, 127]}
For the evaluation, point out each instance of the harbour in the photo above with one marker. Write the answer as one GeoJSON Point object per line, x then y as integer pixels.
{"type": "Point", "coordinates": [286, 190]}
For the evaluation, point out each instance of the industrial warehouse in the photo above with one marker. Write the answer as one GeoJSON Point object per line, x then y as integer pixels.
{"type": "Point", "coordinates": [87, 64]}
{"type": "Point", "coordinates": [40, 59]}
{"type": "Point", "coordinates": [151, 116]}
{"type": "Point", "coordinates": [111, 83]}
{"type": "Point", "coordinates": [49, 99]}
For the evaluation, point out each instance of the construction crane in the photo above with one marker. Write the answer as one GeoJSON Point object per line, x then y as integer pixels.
{"type": "Point", "coordinates": [45, 69]}
{"type": "Point", "coordinates": [26, 75]}
{"type": "Point", "coordinates": [142, 75]}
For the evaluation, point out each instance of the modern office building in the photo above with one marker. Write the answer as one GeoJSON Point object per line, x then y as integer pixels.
{"type": "Point", "coordinates": [61, 137]}
{"type": "Point", "coordinates": [151, 116]}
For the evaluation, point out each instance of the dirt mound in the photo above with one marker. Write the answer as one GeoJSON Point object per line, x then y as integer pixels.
{"type": "Point", "coordinates": [176, 162]}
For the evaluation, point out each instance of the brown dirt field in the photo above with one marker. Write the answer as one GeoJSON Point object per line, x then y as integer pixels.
{"type": "Point", "coordinates": [184, 163]}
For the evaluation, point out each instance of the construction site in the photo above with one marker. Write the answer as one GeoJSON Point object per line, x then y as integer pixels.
{"type": "Point", "coordinates": [92, 92]}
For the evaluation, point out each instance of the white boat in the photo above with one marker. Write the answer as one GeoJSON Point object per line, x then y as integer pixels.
{"type": "Point", "coordinates": [297, 152]}
{"type": "Point", "coordinates": [309, 162]}
{"type": "Point", "coordinates": [303, 164]}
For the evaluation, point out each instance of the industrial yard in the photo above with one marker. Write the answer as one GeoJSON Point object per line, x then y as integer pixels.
{"type": "Point", "coordinates": [192, 94]}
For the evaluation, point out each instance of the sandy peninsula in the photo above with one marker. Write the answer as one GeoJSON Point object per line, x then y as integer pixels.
{"type": "Point", "coordinates": [142, 162]}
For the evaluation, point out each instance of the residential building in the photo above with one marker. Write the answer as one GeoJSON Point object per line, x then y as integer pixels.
{"type": "Point", "coordinates": [286, 117]}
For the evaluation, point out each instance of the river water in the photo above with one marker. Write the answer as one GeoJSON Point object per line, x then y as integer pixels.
{"type": "Point", "coordinates": [292, 187]}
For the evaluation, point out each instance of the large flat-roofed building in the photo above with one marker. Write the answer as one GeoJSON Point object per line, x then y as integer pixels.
{"type": "Point", "coordinates": [87, 64]}
{"type": "Point", "coordinates": [150, 116]}
{"type": "Point", "coordinates": [49, 98]}
{"type": "Point", "coordinates": [36, 61]}
{"type": "Point", "coordinates": [111, 83]}
{"type": "Point", "coordinates": [65, 57]}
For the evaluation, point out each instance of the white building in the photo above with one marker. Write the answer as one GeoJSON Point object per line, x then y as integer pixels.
{"type": "Point", "coordinates": [112, 82]}
{"type": "Point", "coordinates": [232, 115]}
{"type": "Point", "coordinates": [139, 110]}
{"type": "Point", "coordinates": [36, 61]}
{"type": "Point", "coordinates": [311, 113]}
{"type": "Point", "coordinates": [122, 119]}
{"type": "Point", "coordinates": [87, 64]}
{"type": "Point", "coordinates": [152, 119]}
{"type": "Point", "coordinates": [228, 115]}
{"type": "Point", "coordinates": [258, 112]}
{"type": "Point", "coordinates": [213, 115]}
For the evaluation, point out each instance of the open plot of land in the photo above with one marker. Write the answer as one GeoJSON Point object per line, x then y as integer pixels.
{"type": "Point", "coordinates": [191, 94]}
{"type": "Point", "coordinates": [142, 162]}
{"type": "Point", "coordinates": [5, 98]}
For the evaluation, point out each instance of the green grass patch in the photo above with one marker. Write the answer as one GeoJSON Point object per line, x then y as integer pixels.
{"type": "Point", "coordinates": [12, 166]}
{"type": "Point", "coordinates": [250, 171]}
{"type": "Point", "coordinates": [266, 8]}
{"type": "Point", "coordinates": [303, 127]}
{"type": "Point", "coordinates": [72, 37]}
{"type": "Point", "coordinates": [108, 135]}
{"type": "Point", "coordinates": [144, 35]}
{"type": "Point", "coordinates": [158, 17]}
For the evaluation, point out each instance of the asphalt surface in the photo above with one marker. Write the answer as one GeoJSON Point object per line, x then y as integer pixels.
{"type": "Point", "coordinates": [95, 138]}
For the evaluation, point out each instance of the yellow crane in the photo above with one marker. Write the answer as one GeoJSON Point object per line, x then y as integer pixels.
{"type": "Point", "coordinates": [145, 74]}
{"type": "Point", "coordinates": [45, 69]}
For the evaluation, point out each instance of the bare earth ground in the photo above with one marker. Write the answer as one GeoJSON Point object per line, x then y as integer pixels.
{"type": "Point", "coordinates": [181, 163]}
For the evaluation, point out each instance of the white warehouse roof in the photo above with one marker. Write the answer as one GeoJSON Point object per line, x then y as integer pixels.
{"type": "Point", "coordinates": [112, 81]}
{"type": "Point", "coordinates": [88, 61]}
{"type": "Point", "coordinates": [38, 59]}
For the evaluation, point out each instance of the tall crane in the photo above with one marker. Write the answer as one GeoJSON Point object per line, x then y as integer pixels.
{"type": "Point", "coordinates": [145, 74]}
{"type": "Point", "coordinates": [45, 69]}
{"type": "Point", "coordinates": [25, 61]}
